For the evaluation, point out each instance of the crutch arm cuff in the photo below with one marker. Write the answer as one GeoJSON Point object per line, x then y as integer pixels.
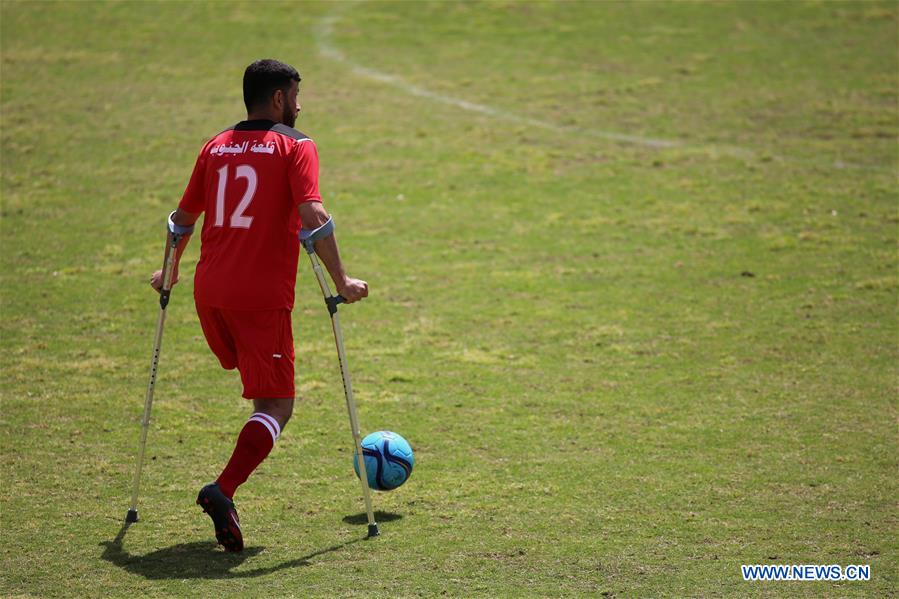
{"type": "Point", "coordinates": [308, 237]}
{"type": "Point", "coordinates": [179, 230]}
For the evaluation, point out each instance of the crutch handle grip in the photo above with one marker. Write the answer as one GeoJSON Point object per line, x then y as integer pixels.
{"type": "Point", "coordinates": [332, 303]}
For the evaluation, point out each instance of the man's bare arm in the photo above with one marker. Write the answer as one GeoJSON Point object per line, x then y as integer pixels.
{"type": "Point", "coordinates": [313, 215]}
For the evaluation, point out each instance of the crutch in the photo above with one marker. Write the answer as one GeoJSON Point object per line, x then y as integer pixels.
{"type": "Point", "coordinates": [308, 239]}
{"type": "Point", "coordinates": [176, 232]}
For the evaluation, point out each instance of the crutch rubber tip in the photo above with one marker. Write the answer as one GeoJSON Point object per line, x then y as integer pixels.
{"type": "Point", "coordinates": [373, 530]}
{"type": "Point", "coordinates": [132, 516]}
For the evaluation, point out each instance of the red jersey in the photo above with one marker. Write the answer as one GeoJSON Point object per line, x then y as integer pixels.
{"type": "Point", "coordinates": [249, 181]}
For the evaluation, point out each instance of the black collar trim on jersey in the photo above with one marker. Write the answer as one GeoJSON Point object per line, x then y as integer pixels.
{"type": "Point", "coordinates": [254, 125]}
{"type": "Point", "coordinates": [267, 125]}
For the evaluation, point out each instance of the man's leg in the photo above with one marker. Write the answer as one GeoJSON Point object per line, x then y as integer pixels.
{"type": "Point", "coordinates": [263, 347]}
{"type": "Point", "coordinates": [255, 442]}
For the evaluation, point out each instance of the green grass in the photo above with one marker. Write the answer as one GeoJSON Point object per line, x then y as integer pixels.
{"type": "Point", "coordinates": [600, 402]}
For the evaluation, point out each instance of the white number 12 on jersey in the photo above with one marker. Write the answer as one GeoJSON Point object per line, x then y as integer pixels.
{"type": "Point", "coordinates": [238, 220]}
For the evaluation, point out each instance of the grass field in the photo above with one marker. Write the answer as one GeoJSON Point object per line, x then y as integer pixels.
{"type": "Point", "coordinates": [627, 367]}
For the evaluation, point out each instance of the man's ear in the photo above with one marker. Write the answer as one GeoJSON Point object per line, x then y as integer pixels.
{"type": "Point", "coordinates": [278, 99]}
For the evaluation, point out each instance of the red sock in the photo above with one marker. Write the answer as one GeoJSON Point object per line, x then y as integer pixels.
{"type": "Point", "coordinates": [254, 443]}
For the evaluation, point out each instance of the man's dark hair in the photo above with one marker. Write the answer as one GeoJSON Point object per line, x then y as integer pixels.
{"type": "Point", "coordinates": [262, 78]}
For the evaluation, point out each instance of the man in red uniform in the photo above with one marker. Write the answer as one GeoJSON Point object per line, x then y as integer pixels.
{"type": "Point", "coordinates": [257, 182]}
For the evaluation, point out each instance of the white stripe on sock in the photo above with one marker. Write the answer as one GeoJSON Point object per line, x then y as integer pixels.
{"type": "Point", "coordinates": [264, 423]}
{"type": "Point", "coordinates": [274, 423]}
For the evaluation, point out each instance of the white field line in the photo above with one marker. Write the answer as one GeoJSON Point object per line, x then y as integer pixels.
{"type": "Point", "coordinates": [328, 49]}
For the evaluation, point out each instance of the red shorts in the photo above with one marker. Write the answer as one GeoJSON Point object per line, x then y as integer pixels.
{"type": "Point", "coordinates": [259, 343]}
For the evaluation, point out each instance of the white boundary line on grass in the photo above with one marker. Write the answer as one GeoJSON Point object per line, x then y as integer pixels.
{"type": "Point", "coordinates": [328, 49]}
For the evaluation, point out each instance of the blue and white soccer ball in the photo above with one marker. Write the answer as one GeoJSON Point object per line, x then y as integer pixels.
{"type": "Point", "coordinates": [388, 460]}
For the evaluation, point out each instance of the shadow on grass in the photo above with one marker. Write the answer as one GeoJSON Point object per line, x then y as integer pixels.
{"type": "Point", "coordinates": [196, 560]}
{"type": "Point", "coordinates": [379, 518]}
